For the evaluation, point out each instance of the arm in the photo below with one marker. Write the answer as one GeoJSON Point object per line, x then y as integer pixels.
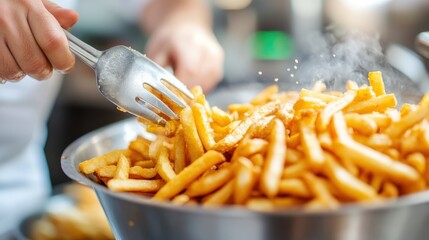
{"type": "Point", "coordinates": [180, 36]}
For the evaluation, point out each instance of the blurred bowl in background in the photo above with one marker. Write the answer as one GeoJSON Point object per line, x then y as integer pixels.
{"type": "Point", "coordinates": [72, 213]}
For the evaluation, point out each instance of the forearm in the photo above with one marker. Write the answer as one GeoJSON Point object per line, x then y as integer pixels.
{"type": "Point", "coordinates": [159, 12]}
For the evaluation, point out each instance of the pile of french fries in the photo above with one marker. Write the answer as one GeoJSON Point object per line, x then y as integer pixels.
{"type": "Point", "coordinates": [313, 149]}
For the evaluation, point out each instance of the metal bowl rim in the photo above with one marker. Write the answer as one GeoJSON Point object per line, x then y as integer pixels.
{"type": "Point", "coordinates": [230, 211]}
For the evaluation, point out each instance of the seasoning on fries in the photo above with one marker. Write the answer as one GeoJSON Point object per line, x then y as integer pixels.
{"type": "Point", "coordinates": [312, 149]}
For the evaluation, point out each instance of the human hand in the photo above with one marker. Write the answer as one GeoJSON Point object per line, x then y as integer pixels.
{"type": "Point", "coordinates": [32, 41]}
{"type": "Point", "coordinates": [191, 49]}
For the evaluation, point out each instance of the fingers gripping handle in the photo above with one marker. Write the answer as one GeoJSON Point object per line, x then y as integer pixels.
{"type": "Point", "coordinates": [85, 52]}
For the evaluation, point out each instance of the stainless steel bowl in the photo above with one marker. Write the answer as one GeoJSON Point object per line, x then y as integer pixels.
{"type": "Point", "coordinates": [133, 216]}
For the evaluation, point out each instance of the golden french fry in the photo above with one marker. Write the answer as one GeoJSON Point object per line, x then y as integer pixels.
{"type": "Point", "coordinates": [326, 114]}
{"type": "Point", "coordinates": [211, 182]}
{"type": "Point", "coordinates": [91, 165]}
{"type": "Point", "coordinates": [376, 104]}
{"type": "Point", "coordinates": [396, 129]}
{"type": "Point", "coordinates": [138, 172]}
{"type": "Point", "coordinates": [135, 185]}
{"type": "Point", "coordinates": [286, 113]}
{"type": "Point", "coordinates": [339, 127]}
{"type": "Point", "coordinates": [365, 176]}
{"type": "Point", "coordinates": [362, 124]}
{"type": "Point", "coordinates": [257, 159]}
{"type": "Point", "coordinates": [315, 204]}
{"type": "Point", "coordinates": [179, 151]}
{"type": "Point", "coordinates": [202, 122]}
{"type": "Point", "coordinates": [145, 164]}
{"type": "Point", "coordinates": [373, 160]}
{"type": "Point", "coordinates": [426, 173]}
{"type": "Point", "coordinates": [249, 147]}
{"type": "Point", "coordinates": [411, 144]}
{"type": "Point", "coordinates": [225, 129]}
{"type": "Point", "coordinates": [170, 128]}
{"type": "Point", "coordinates": [163, 166]}
{"type": "Point", "coordinates": [169, 102]}
{"type": "Point", "coordinates": [276, 154]}
{"type": "Point", "coordinates": [350, 166]}
{"type": "Point", "coordinates": [294, 140]}
{"type": "Point", "coordinates": [294, 187]}
{"type": "Point", "coordinates": [122, 168]}
{"type": "Point", "coordinates": [389, 190]}
{"type": "Point", "coordinates": [320, 190]}
{"type": "Point", "coordinates": [261, 129]}
{"type": "Point", "coordinates": [220, 117]}
{"type": "Point", "coordinates": [382, 120]}
{"type": "Point", "coordinates": [181, 199]}
{"type": "Point", "coordinates": [376, 82]}
{"type": "Point", "coordinates": [218, 136]}
{"type": "Point", "coordinates": [240, 108]}
{"type": "Point", "coordinates": [135, 156]}
{"type": "Point", "coordinates": [311, 146]}
{"type": "Point", "coordinates": [418, 186]}
{"type": "Point", "coordinates": [201, 99]}
{"type": "Point", "coordinates": [189, 174]}
{"type": "Point", "coordinates": [417, 161]}
{"type": "Point", "coordinates": [325, 140]}
{"type": "Point", "coordinates": [377, 182]}
{"type": "Point", "coordinates": [265, 95]}
{"type": "Point", "coordinates": [309, 103]}
{"type": "Point", "coordinates": [155, 129]}
{"type": "Point", "coordinates": [221, 196]}
{"type": "Point", "coordinates": [230, 140]}
{"type": "Point", "coordinates": [293, 156]}
{"type": "Point", "coordinates": [195, 147]}
{"type": "Point", "coordinates": [197, 91]}
{"type": "Point", "coordinates": [407, 108]}
{"type": "Point", "coordinates": [318, 95]}
{"type": "Point", "coordinates": [244, 181]}
{"type": "Point", "coordinates": [393, 114]}
{"type": "Point", "coordinates": [106, 171]}
{"type": "Point", "coordinates": [333, 190]}
{"type": "Point", "coordinates": [295, 170]}
{"type": "Point", "coordinates": [347, 183]}
{"type": "Point", "coordinates": [377, 141]}
{"type": "Point", "coordinates": [155, 148]}
{"type": "Point", "coordinates": [425, 99]}
{"type": "Point", "coordinates": [364, 93]}
{"type": "Point", "coordinates": [140, 146]}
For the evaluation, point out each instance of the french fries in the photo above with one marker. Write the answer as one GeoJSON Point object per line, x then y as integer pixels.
{"type": "Point", "coordinates": [313, 149]}
{"type": "Point", "coordinates": [272, 169]}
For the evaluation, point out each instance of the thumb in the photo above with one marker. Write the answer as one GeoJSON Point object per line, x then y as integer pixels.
{"type": "Point", "coordinates": [66, 17]}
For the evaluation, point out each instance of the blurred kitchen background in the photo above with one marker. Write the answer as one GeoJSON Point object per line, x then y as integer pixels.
{"type": "Point", "coordinates": [265, 41]}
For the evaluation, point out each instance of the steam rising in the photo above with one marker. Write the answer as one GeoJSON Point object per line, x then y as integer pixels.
{"type": "Point", "coordinates": [338, 56]}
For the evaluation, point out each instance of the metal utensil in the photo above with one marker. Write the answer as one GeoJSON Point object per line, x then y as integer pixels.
{"type": "Point", "coordinates": [422, 44]}
{"type": "Point", "coordinates": [122, 75]}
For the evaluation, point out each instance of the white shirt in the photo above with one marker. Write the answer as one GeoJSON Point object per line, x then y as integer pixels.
{"type": "Point", "coordinates": [24, 177]}
{"type": "Point", "coordinates": [24, 111]}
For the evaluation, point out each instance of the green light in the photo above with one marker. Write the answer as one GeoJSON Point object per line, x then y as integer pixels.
{"type": "Point", "coordinates": [271, 45]}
